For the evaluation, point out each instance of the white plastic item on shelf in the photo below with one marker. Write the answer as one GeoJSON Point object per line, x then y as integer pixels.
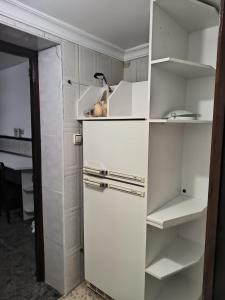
{"type": "Point", "coordinates": [180, 210]}
{"type": "Point", "coordinates": [178, 256]}
{"type": "Point", "coordinates": [163, 121]}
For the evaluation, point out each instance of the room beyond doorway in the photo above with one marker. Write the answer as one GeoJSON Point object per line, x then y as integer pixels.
{"type": "Point", "coordinates": [21, 251]}
{"type": "Point", "coordinates": [32, 58]}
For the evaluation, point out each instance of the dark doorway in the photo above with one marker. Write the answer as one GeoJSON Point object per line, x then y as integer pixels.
{"type": "Point", "coordinates": [32, 56]}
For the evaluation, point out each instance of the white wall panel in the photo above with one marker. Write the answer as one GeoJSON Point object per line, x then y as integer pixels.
{"type": "Point", "coordinates": [15, 102]}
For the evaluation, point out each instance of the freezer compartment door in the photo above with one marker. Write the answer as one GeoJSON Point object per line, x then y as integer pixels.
{"type": "Point", "coordinates": [114, 237]}
{"type": "Point", "coordinates": [117, 150]}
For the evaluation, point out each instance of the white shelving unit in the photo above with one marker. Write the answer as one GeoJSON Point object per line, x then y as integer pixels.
{"type": "Point", "coordinates": [183, 48]}
{"type": "Point", "coordinates": [177, 257]}
{"type": "Point", "coordinates": [180, 210]}
{"type": "Point", "coordinates": [128, 101]}
{"type": "Point", "coordinates": [182, 57]}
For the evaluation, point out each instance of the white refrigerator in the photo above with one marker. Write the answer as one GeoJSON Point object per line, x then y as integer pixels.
{"type": "Point", "coordinates": [115, 168]}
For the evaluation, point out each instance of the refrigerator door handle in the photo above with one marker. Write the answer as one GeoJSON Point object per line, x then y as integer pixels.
{"type": "Point", "coordinates": [127, 176]}
{"type": "Point", "coordinates": [126, 190]}
{"type": "Point", "coordinates": [96, 184]}
{"type": "Point", "coordinates": [94, 171]}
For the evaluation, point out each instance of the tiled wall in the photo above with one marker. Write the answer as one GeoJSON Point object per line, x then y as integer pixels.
{"type": "Point", "coordinates": [51, 114]}
{"type": "Point", "coordinates": [16, 146]}
{"type": "Point", "coordinates": [136, 70]}
{"type": "Point", "coordinates": [79, 66]}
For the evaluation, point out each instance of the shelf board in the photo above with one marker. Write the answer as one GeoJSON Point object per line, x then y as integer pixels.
{"type": "Point", "coordinates": [184, 68]}
{"type": "Point", "coordinates": [178, 288]}
{"type": "Point", "coordinates": [28, 188]}
{"type": "Point", "coordinates": [29, 207]}
{"type": "Point", "coordinates": [163, 121]}
{"type": "Point", "coordinates": [180, 210]}
{"type": "Point", "coordinates": [110, 118]}
{"type": "Point", "coordinates": [178, 256]}
{"type": "Point", "coordinates": [192, 15]}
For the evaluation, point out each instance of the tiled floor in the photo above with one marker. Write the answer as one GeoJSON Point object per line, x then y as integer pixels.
{"type": "Point", "coordinates": [17, 263]}
{"type": "Point", "coordinates": [82, 292]}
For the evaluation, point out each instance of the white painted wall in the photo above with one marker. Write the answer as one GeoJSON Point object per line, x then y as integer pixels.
{"type": "Point", "coordinates": [15, 100]}
{"type": "Point", "coordinates": [136, 70]}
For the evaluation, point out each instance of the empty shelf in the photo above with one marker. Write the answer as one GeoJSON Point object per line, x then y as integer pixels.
{"type": "Point", "coordinates": [184, 68]}
{"type": "Point", "coordinates": [179, 288]}
{"type": "Point", "coordinates": [178, 256]}
{"type": "Point", "coordinates": [190, 14]}
{"type": "Point", "coordinates": [163, 121]}
{"type": "Point", "coordinates": [178, 211]}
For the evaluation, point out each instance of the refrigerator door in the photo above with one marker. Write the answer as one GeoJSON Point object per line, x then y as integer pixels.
{"type": "Point", "coordinates": [114, 237]}
{"type": "Point", "coordinates": [116, 150]}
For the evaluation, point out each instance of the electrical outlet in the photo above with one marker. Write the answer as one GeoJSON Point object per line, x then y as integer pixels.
{"type": "Point", "coordinates": [77, 139]}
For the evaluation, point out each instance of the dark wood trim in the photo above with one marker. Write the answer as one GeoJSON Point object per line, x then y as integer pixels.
{"type": "Point", "coordinates": [15, 138]}
{"type": "Point", "coordinates": [16, 50]}
{"type": "Point", "coordinates": [215, 180]}
{"type": "Point", "coordinates": [36, 152]}
{"type": "Point", "coordinates": [36, 149]}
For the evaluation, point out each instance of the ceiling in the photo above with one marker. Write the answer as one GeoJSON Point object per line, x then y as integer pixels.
{"type": "Point", "coordinates": [214, 2]}
{"type": "Point", "coordinates": [124, 23]}
{"type": "Point", "coordinates": [9, 60]}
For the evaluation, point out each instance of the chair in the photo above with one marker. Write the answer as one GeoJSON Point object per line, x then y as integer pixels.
{"type": "Point", "coordinates": [10, 194]}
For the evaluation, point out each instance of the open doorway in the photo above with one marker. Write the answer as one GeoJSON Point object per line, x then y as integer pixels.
{"type": "Point", "coordinates": [21, 224]}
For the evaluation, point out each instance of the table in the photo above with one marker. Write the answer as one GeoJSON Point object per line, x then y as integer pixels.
{"type": "Point", "coordinates": [24, 166]}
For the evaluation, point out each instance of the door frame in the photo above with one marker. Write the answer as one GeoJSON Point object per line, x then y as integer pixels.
{"type": "Point", "coordinates": [36, 149]}
{"type": "Point", "coordinates": [214, 266]}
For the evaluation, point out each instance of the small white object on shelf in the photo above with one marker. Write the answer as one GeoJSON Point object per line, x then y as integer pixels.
{"type": "Point", "coordinates": [165, 121]}
{"type": "Point", "coordinates": [190, 14]}
{"type": "Point", "coordinates": [179, 288]}
{"type": "Point", "coordinates": [184, 68]}
{"type": "Point", "coordinates": [180, 210]}
{"type": "Point", "coordinates": [181, 115]}
{"type": "Point", "coordinates": [33, 227]}
{"type": "Point", "coordinates": [178, 256]}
